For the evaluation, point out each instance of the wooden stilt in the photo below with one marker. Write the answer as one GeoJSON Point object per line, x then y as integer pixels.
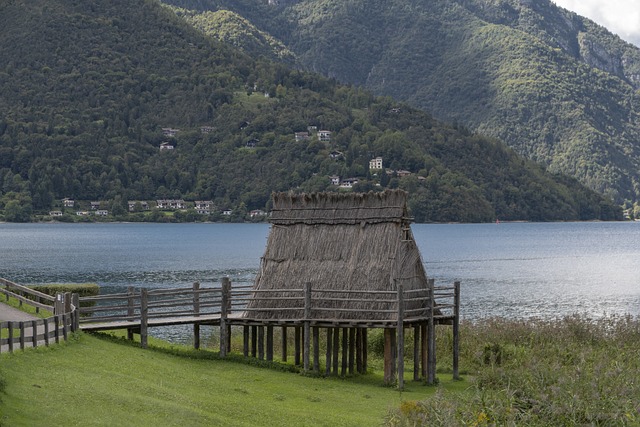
{"type": "Point", "coordinates": [423, 349]}
{"type": "Point", "coordinates": [388, 357]}
{"type": "Point", "coordinates": [456, 329]}
{"type": "Point", "coordinates": [359, 350]}
{"type": "Point", "coordinates": [329, 351]}
{"type": "Point", "coordinates": [316, 349]}
{"type": "Point", "coordinates": [345, 348]}
{"type": "Point", "coordinates": [296, 345]}
{"type": "Point", "coordinates": [400, 336]}
{"type": "Point", "coordinates": [269, 343]}
{"type": "Point", "coordinates": [245, 340]}
{"type": "Point", "coordinates": [352, 349]}
{"type": "Point", "coordinates": [284, 344]}
{"type": "Point", "coordinates": [307, 325]}
{"type": "Point", "coordinates": [254, 341]}
{"type": "Point", "coordinates": [416, 352]}
{"type": "Point", "coordinates": [365, 349]}
{"type": "Point", "coordinates": [261, 342]}
{"type": "Point", "coordinates": [196, 336]}
{"type": "Point", "coordinates": [431, 336]}
{"type": "Point", "coordinates": [144, 317]}
{"type": "Point", "coordinates": [336, 350]}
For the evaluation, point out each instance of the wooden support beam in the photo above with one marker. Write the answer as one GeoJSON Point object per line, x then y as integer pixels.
{"type": "Point", "coordinates": [297, 344]}
{"type": "Point", "coordinates": [284, 344]}
{"type": "Point", "coordinates": [431, 337]}
{"type": "Point", "coordinates": [130, 309]}
{"type": "Point", "coordinates": [424, 350]}
{"type": "Point", "coordinates": [456, 329]}
{"type": "Point", "coordinates": [329, 351]}
{"type": "Point", "coordinates": [245, 340]}
{"type": "Point", "coordinates": [261, 342]}
{"type": "Point", "coordinates": [316, 349]}
{"type": "Point", "coordinates": [388, 357]}
{"type": "Point", "coordinates": [352, 349]}
{"type": "Point", "coordinates": [359, 350]}
{"type": "Point", "coordinates": [144, 317]}
{"type": "Point", "coordinates": [307, 325]}
{"type": "Point", "coordinates": [365, 349]}
{"type": "Point", "coordinates": [224, 312]}
{"type": "Point", "coordinates": [336, 350]}
{"type": "Point", "coordinates": [345, 351]}
{"type": "Point", "coordinates": [416, 352]}
{"type": "Point", "coordinates": [254, 341]}
{"type": "Point", "coordinates": [269, 343]}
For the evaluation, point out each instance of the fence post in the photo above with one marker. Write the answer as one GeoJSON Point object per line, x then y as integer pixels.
{"type": "Point", "coordinates": [196, 312]}
{"type": "Point", "coordinates": [400, 334]}
{"type": "Point", "coordinates": [34, 338]}
{"type": "Point", "coordinates": [456, 329]}
{"type": "Point", "coordinates": [144, 317]}
{"type": "Point", "coordinates": [431, 337]}
{"type": "Point", "coordinates": [58, 304]}
{"type": "Point", "coordinates": [224, 312]}
{"type": "Point", "coordinates": [10, 337]}
{"type": "Point", "coordinates": [67, 302]}
{"type": "Point", "coordinates": [307, 326]}
{"type": "Point", "coordinates": [75, 299]}
{"type": "Point", "coordinates": [131, 311]}
{"type": "Point", "coordinates": [22, 335]}
{"type": "Point", "coordinates": [46, 332]}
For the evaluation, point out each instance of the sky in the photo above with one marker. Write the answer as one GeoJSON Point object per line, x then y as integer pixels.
{"type": "Point", "coordinates": [621, 17]}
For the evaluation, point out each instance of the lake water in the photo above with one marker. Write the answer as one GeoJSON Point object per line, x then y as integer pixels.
{"type": "Point", "coordinates": [516, 270]}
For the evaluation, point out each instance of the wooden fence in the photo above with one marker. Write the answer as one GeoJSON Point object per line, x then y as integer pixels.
{"type": "Point", "coordinates": [31, 333]}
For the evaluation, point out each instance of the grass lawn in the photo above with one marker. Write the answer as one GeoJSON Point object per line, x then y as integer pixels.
{"type": "Point", "coordinates": [97, 380]}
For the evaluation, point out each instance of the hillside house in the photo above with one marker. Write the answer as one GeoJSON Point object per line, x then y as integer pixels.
{"type": "Point", "coordinates": [206, 129]}
{"type": "Point", "coordinates": [95, 205]}
{"type": "Point", "coordinates": [132, 205]}
{"type": "Point", "coordinates": [171, 204]}
{"type": "Point", "coordinates": [203, 207]}
{"type": "Point", "coordinates": [400, 173]}
{"type": "Point", "coordinates": [375, 164]}
{"type": "Point", "coordinates": [166, 146]}
{"type": "Point", "coordinates": [348, 182]}
{"type": "Point", "coordinates": [301, 136]}
{"type": "Point", "coordinates": [102, 212]}
{"type": "Point", "coordinates": [335, 180]}
{"type": "Point", "coordinates": [257, 213]}
{"type": "Point", "coordinates": [324, 136]}
{"type": "Point", "coordinates": [68, 203]}
{"type": "Point", "coordinates": [55, 213]}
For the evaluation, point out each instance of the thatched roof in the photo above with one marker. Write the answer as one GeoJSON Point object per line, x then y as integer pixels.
{"type": "Point", "coordinates": [339, 242]}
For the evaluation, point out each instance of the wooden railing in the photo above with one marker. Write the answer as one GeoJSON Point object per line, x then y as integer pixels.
{"type": "Point", "coordinates": [32, 333]}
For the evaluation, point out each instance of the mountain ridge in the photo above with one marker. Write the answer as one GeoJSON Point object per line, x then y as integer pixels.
{"type": "Point", "coordinates": [555, 86]}
{"type": "Point", "coordinates": [91, 92]}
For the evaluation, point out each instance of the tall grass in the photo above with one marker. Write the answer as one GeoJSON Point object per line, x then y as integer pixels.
{"type": "Point", "coordinates": [571, 371]}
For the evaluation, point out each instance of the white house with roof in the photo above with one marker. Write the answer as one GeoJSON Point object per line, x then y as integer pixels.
{"type": "Point", "coordinates": [375, 164]}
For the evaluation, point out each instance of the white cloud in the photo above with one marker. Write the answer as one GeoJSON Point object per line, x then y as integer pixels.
{"type": "Point", "coordinates": [621, 17]}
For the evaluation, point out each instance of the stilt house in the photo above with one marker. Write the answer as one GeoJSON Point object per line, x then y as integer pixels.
{"type": "Point", "coordinates": [345, 263]}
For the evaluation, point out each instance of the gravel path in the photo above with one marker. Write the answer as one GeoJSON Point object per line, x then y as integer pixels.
{"type": "Point", "coordinates": [10, 314]}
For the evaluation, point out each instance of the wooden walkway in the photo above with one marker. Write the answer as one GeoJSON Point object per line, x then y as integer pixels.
{"type": "Point", "coordinates": [308, 313]}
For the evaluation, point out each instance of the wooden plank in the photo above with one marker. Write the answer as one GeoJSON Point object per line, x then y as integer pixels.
{"type": "Point", "coordinates": [388, 359]}
{"type": "Point", "coordinates": [400, 337]}
{"type": "Point", "coordinates": [352, 349]}
{"type": "Point", "coordinates": [245, 340]}
{"type": "Point", "coordinates": [297, 344]}
{"type": "Point", "coordinates": [261, 342]}
{"type": "Point", "coordinates": [365, 349]}
{"type": "Point", "coordinates": [144, 318]}
{"type": "Point", "coordinates": [254, 341]}
{"type": "Point", "coordinates": [269, 343]}
{"type": "Point", "coordinates": [456, 331]}
{"type": "Point", "coordinates": [316, 349]}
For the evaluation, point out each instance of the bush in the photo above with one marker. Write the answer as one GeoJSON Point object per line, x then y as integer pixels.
{"type": "Point", "coordinates": [82, 289]}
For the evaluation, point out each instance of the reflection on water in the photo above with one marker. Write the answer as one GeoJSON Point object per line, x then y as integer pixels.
{"type": "Point", "coordinates": [514, 270]}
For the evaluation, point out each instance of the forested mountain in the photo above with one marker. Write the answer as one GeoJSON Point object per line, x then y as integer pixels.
{"type": "Point", "coordinates": [556, 87]}
{"type": "Point", "coordinates": [90, 91]}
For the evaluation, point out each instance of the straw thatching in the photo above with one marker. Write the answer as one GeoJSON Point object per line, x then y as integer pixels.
{"type": "Point", "coordinates": [340, 242]}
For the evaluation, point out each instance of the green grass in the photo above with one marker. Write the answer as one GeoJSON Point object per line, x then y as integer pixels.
{"type": "Point", "coordinates": [15, 303]}
{"type": "Point", "coordinates": [100, 380]}
{"type": "Point", "coordinates": [565, 372]}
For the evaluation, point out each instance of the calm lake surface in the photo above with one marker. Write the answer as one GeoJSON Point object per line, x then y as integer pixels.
{"type": "Point", "coordinates": [516, 270]}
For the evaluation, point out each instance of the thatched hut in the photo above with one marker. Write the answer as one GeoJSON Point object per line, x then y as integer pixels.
{"type": "Point", "coordinates": [344, 263]}
{"type": "Point", "coordinates": [337, 242]}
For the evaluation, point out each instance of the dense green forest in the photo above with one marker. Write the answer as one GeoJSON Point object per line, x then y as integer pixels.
{"type": "Point", "coordinates": [87, 89]}
{"type": "Point", "coordinates": [556, 87]}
